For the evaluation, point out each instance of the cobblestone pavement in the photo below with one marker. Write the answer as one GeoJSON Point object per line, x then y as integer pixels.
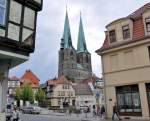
{"type": "Point", "coordinates": [73, 117]}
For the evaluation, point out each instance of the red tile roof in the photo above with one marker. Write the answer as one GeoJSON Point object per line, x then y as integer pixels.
{"type": "Point", "coordinates": [138, 29]}
{"type": "Point", "coordinates": [30, 78]}
{"type": "Point", "coordinates": [92, 79]}
{"type": "Point", "coordinates": [14, 78]}
{"type": "Point", "coordinates": [82, 89]}
{"type": "Point", "coordinates": [138, 13]}
{"type": "Point", "coordinates": [60, 80]}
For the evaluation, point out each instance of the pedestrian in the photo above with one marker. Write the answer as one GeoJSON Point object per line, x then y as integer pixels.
{"type": "Point", "coordinates": [98, 110]}
{"type": "Point", "coordinates": [70, 110]}
{"type": "Point", "coordinates": [115, 111]}
{"type": "Point", "coordinates": [94, 111]}
{"type": "Point", "coordinates": [15, 114]}
{"type": "Point", "coordinates": [102, 111]}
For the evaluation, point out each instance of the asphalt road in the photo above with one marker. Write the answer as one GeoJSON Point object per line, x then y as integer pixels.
{"type": "Point", "coordinates": [31, 117]}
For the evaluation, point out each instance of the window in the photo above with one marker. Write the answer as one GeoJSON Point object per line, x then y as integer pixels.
{"type": "Point", "coordinates": [59, 93]}
{"type": "Point", "coordinates": [147, 21]}
{"type": "Point", "coordinates": [87, 58]}
{"type": "Point", "coordinates": [2, 12]}
{"type": "Point", "coordinates": [128, 99]}
{"type": "Point", "coordinates": [62, 93]}
{"type": "Point", "coordinates": [112, 36]}
{"type": "Point", "coordinates": [126, 32]}
{"type": "Point", "coordinates": [149, 51]}
{"type": "Point", "coordinates": [78, 59]}
{"type": "Point", "coordinates": [71, 55]}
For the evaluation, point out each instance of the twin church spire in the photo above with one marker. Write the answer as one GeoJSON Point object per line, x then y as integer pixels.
{"type": "Point", "coordinates": [66, 41]}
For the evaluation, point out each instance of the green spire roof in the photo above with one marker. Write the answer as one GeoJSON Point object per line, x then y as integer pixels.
{"type": "Point", "coordinates": [81, 39]}
{"type": "Point", "coordinates": [66, 41]}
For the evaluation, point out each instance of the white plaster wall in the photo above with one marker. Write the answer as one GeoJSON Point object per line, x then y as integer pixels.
{"type": "Point", "coordinates": [38, 1]}
{"type": "Point", "coordinates": [13, 32]}
{"type": "Point", "coordinates": [15, 11]}
{"type": "Point", "coordinates": [29, 16]}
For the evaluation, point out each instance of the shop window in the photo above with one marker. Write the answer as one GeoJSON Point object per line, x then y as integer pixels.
{"type": "Point", "coordinates": [112, 36]}
{"type": "Point", "coordinates": [149, 51]}
{"type": "Point", "coordinates": [148, 94]}
{"type": "Point", "coordinates": [147, 21]}
{"type": "Point", "coordinates": [128, 99]}
{"type": "Point", "coordinates": [126, 32]}
{"type": "Point", "coordinates": [2, 12]}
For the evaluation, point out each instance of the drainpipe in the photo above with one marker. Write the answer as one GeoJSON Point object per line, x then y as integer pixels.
{"type": "Point", "coordinates": [103, 77]}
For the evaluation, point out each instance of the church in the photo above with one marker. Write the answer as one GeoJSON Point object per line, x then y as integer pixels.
{"type": "Point", "coordinates": [74, 63]}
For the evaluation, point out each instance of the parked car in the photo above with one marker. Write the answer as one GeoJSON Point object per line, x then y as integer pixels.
{"type": "Point", "coordinates": [9, 112]}
{"type": "Point", "coordinates": [31, 110]}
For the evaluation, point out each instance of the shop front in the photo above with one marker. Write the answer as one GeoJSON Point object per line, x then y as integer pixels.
{"type": "Point", "coordinates": [128, 100]}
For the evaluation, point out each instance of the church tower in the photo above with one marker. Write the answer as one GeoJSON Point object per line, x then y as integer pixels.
{"type": "Point", "coordinates": [83, 55]}
{"type": "Point", "coordinates": [67, 53]}
{"type": "Point", "coordinates": [75, 64]}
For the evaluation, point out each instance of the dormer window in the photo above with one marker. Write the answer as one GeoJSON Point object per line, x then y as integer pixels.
{"type": "Point", "coordinates": [112, 36]}
{"type": "Point", "coordinates": [126, 32]}
{"type": "Point", "coordinates": [2, 12]}
{"type": "Point", "coordinates": [147, 20]}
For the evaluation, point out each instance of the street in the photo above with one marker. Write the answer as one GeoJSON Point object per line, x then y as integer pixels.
{"type": "Point", "coordinates": [73, 117]}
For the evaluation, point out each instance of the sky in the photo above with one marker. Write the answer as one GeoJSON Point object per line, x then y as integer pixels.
{"type": "Point", "coordinates": [96, 14]}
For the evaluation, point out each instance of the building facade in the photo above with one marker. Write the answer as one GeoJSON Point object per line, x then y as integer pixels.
{"type": "Point", "coordinates": [75, 64]}
{"type": "Point", "coordinates": [60, 92]}
{"type": "Point", "coordinates": [126, 64]}
{"type": "Point", "coordinates": [17, 37]}
{"type": "Point", "coordinates": [13, 84]}
{"type": "Point", "coordinates": [30, 78]}
{"type": "Point", "coordinates": [84, 95]}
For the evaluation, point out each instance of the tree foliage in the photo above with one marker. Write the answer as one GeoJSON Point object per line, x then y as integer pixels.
{"type": "Point", "coordinates": [27, 93]}
{"type": "Point", "coordinates": [18, 94]}
{"type": "Point", "coordinates": [39, 95]}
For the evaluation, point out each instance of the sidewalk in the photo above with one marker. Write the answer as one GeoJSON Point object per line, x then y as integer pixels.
{"type": "Point", "coordinates": [2, 117]}
{"type": "Point", "coordinates": [80, 117]}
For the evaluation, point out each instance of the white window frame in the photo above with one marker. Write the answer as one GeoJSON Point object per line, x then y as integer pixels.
{"type": "Point", "coordinates": [147, 22]}
{"type": "Point", "coordinates": [4, 19]}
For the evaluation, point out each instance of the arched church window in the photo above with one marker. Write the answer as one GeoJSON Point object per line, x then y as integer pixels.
{"type": "Point", "coordinates": [87, 58]}
{"type": "Point", "coordinates": [78, 59]}
{"type": "Point", "coordinates": [71, 54]}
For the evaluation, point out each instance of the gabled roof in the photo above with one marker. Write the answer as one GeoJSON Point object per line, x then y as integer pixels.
{"type": "Point", "coordinates": [14, 78]}
{"type": "Point", "coordinates": [60, 80]}
{"type": "Point", "coordinates": [82, 89]}
{"type": "Point", "coordinates": [81, 47]}
{"type": "Point", "coordinates": [91, 79]}
{"type": "Point", "coordinates": [138, 13]}
{"type": "Point", "coordinates": [29, 76]}
{"type": "Point", "coordinates": [138, 30]}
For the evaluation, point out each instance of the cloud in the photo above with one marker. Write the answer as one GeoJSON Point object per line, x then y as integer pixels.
{"type": "Point", "coordinates": [96, 14]}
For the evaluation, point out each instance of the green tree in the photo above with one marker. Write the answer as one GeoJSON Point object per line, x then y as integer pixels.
{"type": "Point", "coordinates": [27, 93]}
{"type": "Point", "coordinates": [40, 95]}
{"type": "Point", "coordinates": [18, 96]}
